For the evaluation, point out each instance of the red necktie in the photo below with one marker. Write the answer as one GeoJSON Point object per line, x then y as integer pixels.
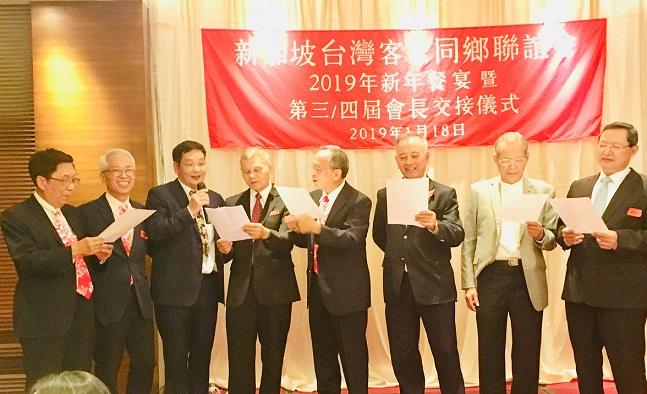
{"type": "Point", "coordinates": [322, 219]}
{"type": "Point", "coordinates": [126, 239]}
{"type": "Point", "coordinates": [257, 211]}
{"type": "Point", "coordinates": [83, 281]}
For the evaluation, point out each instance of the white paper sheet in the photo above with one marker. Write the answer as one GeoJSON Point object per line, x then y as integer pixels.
{"type": "Point", "coordinates": [298, 201]}
{"type": "Point", "coordinates": [405, 198]}
{"type": "Point", "coordinates": [523, 208]}
{"type": "Point", "coordinates": [229, 222]}
{"type": "Point", "coordinates": [579, 214]}
{"type": "Point", "coordinates": [124, 223]}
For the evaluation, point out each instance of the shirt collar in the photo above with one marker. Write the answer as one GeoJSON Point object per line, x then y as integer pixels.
{"type": "Point", "coordinates": [187, 190]}
{"type": "Point", "coordinates": [264, 193]}
{"type": "Point", "coordinates": [517, 185]}
{"type": "Point", "coordinates": [617, 177]}
{"type": "Point", "coordinates": [334, 193]}
{"type": "Point", "coordinates": [115, 204]}
{"type": "Point", "coordinates": [46, 206]}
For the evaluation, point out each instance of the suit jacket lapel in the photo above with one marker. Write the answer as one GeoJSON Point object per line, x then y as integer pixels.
{"type": "Point", "coordinates": [339, 204]}
{"type": "Point", "coordinates": [269, 204]}
{"type": "Point", "coordinates": [495, 199]}
{"type": "Point", "coordinates": [528, 188]}
{"type": "Point", "coordinates": [108, 218]}
{"type": "Point", "coordinates": [182, 200]}
{"type": "Point", "coordinates": [244, 201]}
{"type": "Point", "coordinates": [627, 188]}
{"type": "Point", "coordinates": [179, 194]}
{"type": "Point", "coordinates": [43, 220]}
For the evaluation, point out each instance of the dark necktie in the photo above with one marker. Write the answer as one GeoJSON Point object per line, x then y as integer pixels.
{"type": "Point", "coordinates": [257, 211]}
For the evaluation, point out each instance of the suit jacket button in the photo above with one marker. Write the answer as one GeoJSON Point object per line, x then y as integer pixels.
{"type": "Point", "coordinates": [405, 237]}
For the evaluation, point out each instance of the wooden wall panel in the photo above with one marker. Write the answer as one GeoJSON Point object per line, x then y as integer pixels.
{"type": "Point", "coordinates": [16, 145]}
{"type": "Point", "coordinates": [91, 89]}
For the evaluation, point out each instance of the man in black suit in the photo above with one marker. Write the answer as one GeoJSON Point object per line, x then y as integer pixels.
{"type": "Point", "coordinates": [418, 276]}
{"type": "Point", "coordinates": [53, 309]}
{"type": "Point", "coordinates": [122, 302]}
{"type": "Point", "coordinates": [186, 280]}
{"type": "Point", "coordinates": [262, 285]}
{"type": "Point", "coordinates": [604, 289]}
{"type": "Point", "coordinates": [339, 289]}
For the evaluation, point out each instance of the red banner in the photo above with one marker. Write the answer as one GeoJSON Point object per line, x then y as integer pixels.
{"type": "Point", "coordinates": [361, 88]}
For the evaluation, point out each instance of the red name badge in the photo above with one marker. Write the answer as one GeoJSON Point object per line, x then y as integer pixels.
{"type": "Point", "coordinates": [635, 212]}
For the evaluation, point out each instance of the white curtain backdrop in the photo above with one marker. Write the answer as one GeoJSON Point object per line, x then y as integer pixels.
{"type": "Point", "coordinates": [177, 74]}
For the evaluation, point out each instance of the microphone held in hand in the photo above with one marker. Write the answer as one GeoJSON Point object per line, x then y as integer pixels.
{"type": "Point", "coordinates": [202, 186]}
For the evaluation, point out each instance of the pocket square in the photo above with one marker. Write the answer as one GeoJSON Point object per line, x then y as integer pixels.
{"type": "Point", "coordinates": [634, 212]}
{"type": "Point", "coordinates": [143, 235]}
{"type": "Point", "coordinates": [274, 212]}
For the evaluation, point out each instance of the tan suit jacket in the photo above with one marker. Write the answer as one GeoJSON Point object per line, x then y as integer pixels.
{"type": "Point", "coordinates": [482, 225]}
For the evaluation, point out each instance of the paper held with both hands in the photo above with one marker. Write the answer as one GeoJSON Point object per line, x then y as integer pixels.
{"type": "Point", "coordinates": [124, 223]}
{"type": "Point", "coordinates": [405, 198]}
{"type": "Point", "coordinates": [578, 214]}
{"type": "Point", "coordinates": [523, 208]}
{"type": "Point", "coordinates": [298, 201]}
{"type": "Point", "coordinates": [229, 222]}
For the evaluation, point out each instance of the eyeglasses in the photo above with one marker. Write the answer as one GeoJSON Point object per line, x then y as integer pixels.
{"type": "Point", "coordinates": [117, 172]}
{"type": "Point", "coordinates": [506, 162]}
{"type": "Point", "coordinates": [319, 170]}
{"type": "Point", "coordinates": [67, 181]}
{"type": "Point", "coordinates": [612, 147]}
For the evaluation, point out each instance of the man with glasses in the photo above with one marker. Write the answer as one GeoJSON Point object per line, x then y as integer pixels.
{"type": "Point", "coordinates": [339, 289]}
{"type": "Point", "coordinates": [122, 301]}
{"type": "Point", "coordinates": [605, 287]}
{"type": "Point", "coordinates": [53, 307]}
{"type": "Point", "coordinates": [504, 272]}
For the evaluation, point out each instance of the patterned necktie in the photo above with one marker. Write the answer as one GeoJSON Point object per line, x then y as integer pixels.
{"type": "Point", "coordinates": [83, 281]}
{"type": "Point", "coordinates": [257, 211]}
{"type": "Point", "coordinates": [126, 239]}
{"type": "Point", "coordinates": [202, 229]}
{"type": "Point", "coordinates": [322, 219]}
{"type": "Point", "coordinates": [600, 199]}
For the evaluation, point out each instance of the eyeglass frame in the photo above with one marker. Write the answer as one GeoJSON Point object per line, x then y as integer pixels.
{"type": "Point", "coordinates": [516, 160]}
{"type": "Point", "coordinates": [67, 182]}
{"type": "Point", "coordinates": [117, 172]}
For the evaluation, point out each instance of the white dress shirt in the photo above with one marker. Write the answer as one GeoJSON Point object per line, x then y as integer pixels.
{"type": "Point", "coordinates": [508, 247]}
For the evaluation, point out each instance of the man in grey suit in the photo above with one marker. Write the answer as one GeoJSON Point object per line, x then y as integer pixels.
{"type": "Point", "coordinates": [503, 270]}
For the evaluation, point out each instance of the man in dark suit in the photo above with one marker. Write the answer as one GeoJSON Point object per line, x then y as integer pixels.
{"type": "Point", "coordinates": [418, 276]}
{"type": "Point", "coordinates": [53, 309]}
{"type": "Point", "coordinates": [186, 280]}
{"type": "Point", "coordinates": [262, 285]}
{"type": "Point", "coordinates": [122, 302]}
{"type": "Point", "coordinates": [339, 289]}
{"type": "Point", "coordinates": [604, 289]}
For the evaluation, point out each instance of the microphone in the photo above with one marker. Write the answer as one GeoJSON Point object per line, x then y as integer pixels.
{"type": "Point", "coordinates": [201, 186]}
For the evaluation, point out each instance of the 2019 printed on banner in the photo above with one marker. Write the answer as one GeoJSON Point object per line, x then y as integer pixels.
{"type": "Point", "coordinates": [361, 88]}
